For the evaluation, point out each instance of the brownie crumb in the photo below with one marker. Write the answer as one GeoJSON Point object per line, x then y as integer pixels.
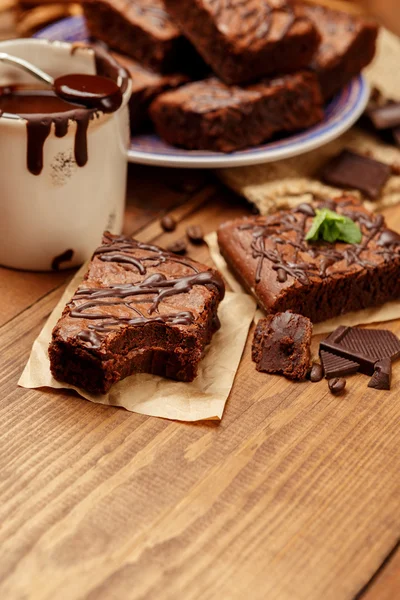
{"type": "Point", "coordinates": [281, 345]}
{"type": "Point", "coordinates": [337, 385]}
{"type": "Point", "coordinates": [195, 234]}
{"type": "Point", "coordinates": [168, 223]}
{"type": "Point", "coordinates": [178, 247]}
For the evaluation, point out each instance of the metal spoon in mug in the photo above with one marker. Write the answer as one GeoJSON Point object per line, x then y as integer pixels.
{"type": "Point", "coordinates": [91, 91]}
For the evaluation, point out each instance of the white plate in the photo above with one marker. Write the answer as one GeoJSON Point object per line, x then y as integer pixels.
{"type": "Point", "coordinates": [149, 149]}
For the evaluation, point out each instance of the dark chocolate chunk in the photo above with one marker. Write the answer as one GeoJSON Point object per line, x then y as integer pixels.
{"type": "Point", "coordinates": [382, 377]}
{"type": "Point", "coordinates": [354, 171]}
{"type": "Point", "coordinates": [281, 345]}
{"type": "Point", "coordinates": [195, 234]}
{"type": "Point", "coordinates": [363, 346]}
{"type": "Point", "coordinates": [336, 366]}
{"type": "Point", "coordinates": [385, 117]}
{"type": "Point", "coordinates": [168, 223]}
{"type": "Point", "coordinates": [317, 373]}
{"type": "Point", "coordinates": [178, 247]}
{"type": "Point", "coordinates": [337, 385]}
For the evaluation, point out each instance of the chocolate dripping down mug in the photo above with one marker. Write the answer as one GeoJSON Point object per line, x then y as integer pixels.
{"type": "Point", "coordinates": [62, 178]}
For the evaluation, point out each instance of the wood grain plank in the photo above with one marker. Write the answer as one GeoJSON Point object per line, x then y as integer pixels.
{"type": "Point", "coordinates": [294, 495]}
{"type": "Point", "coordinates": [385, 585]}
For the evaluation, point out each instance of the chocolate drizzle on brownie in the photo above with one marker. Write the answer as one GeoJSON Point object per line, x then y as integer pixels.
{"type": "Point", "coordinates": [251, 20]}
{"type": "Point", "coordinates": [156, 286]}
{"type": "Point", "coordinates": [298, 267]}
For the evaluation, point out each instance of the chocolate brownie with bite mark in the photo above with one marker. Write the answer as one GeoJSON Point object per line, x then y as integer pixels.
{"type": "Point", "coordinates": [139, 309]}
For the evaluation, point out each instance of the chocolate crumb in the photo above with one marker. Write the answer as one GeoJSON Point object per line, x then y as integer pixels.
{"type": "Point", "coordinates": [168, 223]}
{"type": "Point", "coordinates": [178, 247]}
{"type": "Point", "coordinates": [316, 373]}
{"type": "Point", "coordinates": [337, 385]}
{"type": "Point", "coordinates": [195, 234]}
{"type": "Point", "coordinates": [382, 377]}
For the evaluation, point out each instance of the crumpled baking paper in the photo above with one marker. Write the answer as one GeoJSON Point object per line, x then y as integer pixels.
{"type": "Point", "coordinates": [202, 399]}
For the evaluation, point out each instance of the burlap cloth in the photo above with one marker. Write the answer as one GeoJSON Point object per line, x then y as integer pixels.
{"type": "Point", "coordinates": [288, 182]}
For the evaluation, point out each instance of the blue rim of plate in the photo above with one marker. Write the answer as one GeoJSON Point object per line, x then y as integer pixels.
{"type": "Point", "coordinates": [340, 114]}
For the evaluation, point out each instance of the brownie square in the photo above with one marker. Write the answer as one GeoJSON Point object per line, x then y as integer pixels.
{"type": "Point", "coordinates": [243, 41]}
{"type": "Point", "coordinates": [211, 115]}
{"type": "Point", "coordinates": [139, 309]}
{"type": "Point", "coordinates": [348, 44]}
{"type": "Point", "coordinates": [282, 345]}
{"type": "Point", "coordinates": [142, 29]}
{"type": "Point", "coordinates": [271, 258]}
{"type": "Point", "coordinates": [146, 86]}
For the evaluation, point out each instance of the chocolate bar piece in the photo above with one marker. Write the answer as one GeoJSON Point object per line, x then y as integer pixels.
{"type": "Point", "coordinates": [146, 86]}
{"type": "Point", "coordinates": [364, 346]}
{"type": "Point", "coordinates": [337, 366]}
{"type": "Point", "coordinates": [386, 116]}
{"type": "Point", "coordinates": [382, 377]}
{"type": "Point", "coordinates": [272, 260]}
{"type": "Point", "coordinates": [281, 345]}
{"type": "Point", "coordinates": [142, 29]}
{"type": "Point", "coordinates": [354, 171]}
{"type": "Point", "coordinates": [213, 116]}
{"type": "Point", "coordinates": [139, 309]}
{"type": "Point", "coordinates": [348, 44]}
{"type": "Point", "coordinates": [243, 41]}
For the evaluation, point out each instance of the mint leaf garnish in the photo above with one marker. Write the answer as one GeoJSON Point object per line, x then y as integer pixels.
{"type": "Point", "coordinates": [331, 227]}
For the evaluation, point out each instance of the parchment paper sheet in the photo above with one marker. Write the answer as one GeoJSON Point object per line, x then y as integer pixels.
{"type": "Point", "coordinates": [386, 312]}
{"type": "Point", "coordinates": [202, 399]}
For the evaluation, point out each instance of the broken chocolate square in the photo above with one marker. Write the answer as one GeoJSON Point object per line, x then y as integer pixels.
{"type": "Point", "coordinates": [353, 171]}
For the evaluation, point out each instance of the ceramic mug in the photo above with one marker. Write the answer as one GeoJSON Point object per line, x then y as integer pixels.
{"type": "Point", "coordinates": [56, 219]}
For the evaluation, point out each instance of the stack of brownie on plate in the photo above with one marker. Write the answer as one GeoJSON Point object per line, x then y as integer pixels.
{"type": "Point", "coordinates": [224, 76]}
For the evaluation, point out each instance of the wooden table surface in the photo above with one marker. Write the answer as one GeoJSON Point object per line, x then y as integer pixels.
{"type": "Point", "coordinates": [294, 495]}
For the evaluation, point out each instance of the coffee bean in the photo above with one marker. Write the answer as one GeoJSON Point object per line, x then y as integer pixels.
{"type": "Point", "coordinates": [168, 223]}
{"type": "Point", "coordinates": [195, 234]}
{"type": "Point", "coordinates": [317, 373]}
{"type": "Point", "coordinates": [178, 247]}
{"type": "Point", "coordinates": [337, 385]}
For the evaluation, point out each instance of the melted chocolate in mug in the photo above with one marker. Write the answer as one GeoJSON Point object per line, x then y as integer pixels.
{"type": "Point", "coordinates": [42, 108]}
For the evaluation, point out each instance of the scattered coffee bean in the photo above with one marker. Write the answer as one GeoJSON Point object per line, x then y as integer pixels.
{"type": "Point", "coordinates": [316, 373]}
{"type": "Point", "coordinates": [395, 168]}
{"type": "Point", "coordinates": [168, 223]}
{"type": "Point", "coordinates": [195, 234]}
{"type": "Point", "coordinates": [337, 385]}
{"type": "Point", "coordinates": [178, 247]}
